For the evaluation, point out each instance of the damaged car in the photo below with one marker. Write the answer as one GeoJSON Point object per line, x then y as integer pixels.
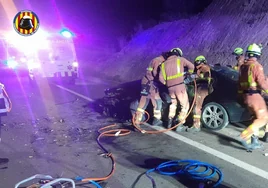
{"type": "Point", "coordinates": [220, 108]}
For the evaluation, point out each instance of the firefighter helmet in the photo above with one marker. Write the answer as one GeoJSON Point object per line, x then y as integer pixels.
{"type": "Point", "coordinates": [254, 50]}
{"type": "Point", "coordinates": [177, 51]}
{"type": "Point", "coordinates": [26, 23]}
{"type": "Point", "coordinates": [200, 59]}
{"type": "Point", "coordinates": [238, 51]}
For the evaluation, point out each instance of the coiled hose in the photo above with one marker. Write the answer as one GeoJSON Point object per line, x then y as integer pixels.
{"type": "Point", "coordinates": [123, 132]}
{"type": "Point", "coordinates": [190, 168]}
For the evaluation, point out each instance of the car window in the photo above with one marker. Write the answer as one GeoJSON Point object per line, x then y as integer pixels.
{"type": "Point", "coordinates": [227, 72]}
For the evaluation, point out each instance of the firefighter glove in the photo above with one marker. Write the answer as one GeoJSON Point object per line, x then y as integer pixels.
{"type": "Point", "coordinates": [145, 88]}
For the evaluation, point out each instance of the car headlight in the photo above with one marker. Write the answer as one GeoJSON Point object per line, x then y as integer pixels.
{"type": "Point", "coordinates": [75, 64]}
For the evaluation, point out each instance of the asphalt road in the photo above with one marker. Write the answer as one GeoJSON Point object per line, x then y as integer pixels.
{"type": "Point", "coordinates": [52, 131]}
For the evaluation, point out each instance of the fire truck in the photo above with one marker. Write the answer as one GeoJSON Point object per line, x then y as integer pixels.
{"type": "Point", "coordinates": [42, 55]}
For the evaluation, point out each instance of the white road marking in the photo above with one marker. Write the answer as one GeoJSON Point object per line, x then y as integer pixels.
{"type": "Point", "coordinates": [75, 93]}
{"type": "Point", "coordinates": [216, 153]}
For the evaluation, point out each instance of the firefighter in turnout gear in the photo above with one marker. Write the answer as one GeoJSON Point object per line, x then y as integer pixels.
{"type": "Point", "coordinates": [251, 82]}
{"type": "Point", "coordinates": [172, 75]}
{"type": "Point", "coordinates": [238, 52]}
{"type": "Point", "coordinates": [149, 92]}
{"type": "Point", "coordinates": [203, 81]}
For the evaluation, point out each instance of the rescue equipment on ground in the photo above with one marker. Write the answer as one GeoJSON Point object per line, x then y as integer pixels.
{"type": "Point", "coordinates": [190, 168]}
{"type": "Point", "coordinates": [46, 181]}
{"type": "Point", "coordinates": [5, 102]}
{"type": "Point", "coordinates": [197, 170]}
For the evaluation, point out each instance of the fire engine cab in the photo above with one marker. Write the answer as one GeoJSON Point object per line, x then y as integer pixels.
{"type": "Point", "coordinates": [43, 55]}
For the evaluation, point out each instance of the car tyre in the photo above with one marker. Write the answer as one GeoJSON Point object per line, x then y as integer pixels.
{"type": "Point", "coordinates": [214, 116]}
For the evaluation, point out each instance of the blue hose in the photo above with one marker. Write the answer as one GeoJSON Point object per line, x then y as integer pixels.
{"type": "Point", "coordinates": [79, 178]}
{"type": "Point", "coordinates": [189, 168]}
{"type": "Point", "coordinates": [95, 183]}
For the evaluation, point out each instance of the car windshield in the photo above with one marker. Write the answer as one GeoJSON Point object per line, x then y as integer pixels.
{"type": "Point", "coordinates": [227, 72]}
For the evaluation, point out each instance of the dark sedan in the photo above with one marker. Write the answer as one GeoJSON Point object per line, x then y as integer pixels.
{"type": "Point", "coordinates": [219, 109]}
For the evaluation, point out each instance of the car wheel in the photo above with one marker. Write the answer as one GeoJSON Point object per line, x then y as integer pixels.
{"type": "Point", "coordinates": [214, 116]}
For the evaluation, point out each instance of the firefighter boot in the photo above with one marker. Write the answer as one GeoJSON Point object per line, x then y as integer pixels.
{"type": "Point", "coordinates": [255, 143]}
{"type": "Point", "coordinates": [246, 145]}
{"type": "Point", "coordinates": [196, 127]}
{"type": "Point", "coordinates": [157, 122]}
{"type": "Point", "coordinates": [181, 128]}
{"type": "Point", "coordinates": [169, 123]}
{"type": "Point", "coordinates": [265, 137]}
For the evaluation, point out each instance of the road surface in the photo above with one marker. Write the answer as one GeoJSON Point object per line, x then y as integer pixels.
{"type": "Point", "coordinates": [52, 130]}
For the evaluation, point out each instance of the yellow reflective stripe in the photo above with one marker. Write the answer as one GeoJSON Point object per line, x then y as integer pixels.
{"type": "Point", "coordinates": [266, 91]}
{"type": "Point", "coordinates": [246, 84]}
{"type": "Point", "coordinates": [253, 84]}
{"type": "Point", "coordinates": [250, 76]}
{"type": "Point", "coordinates": [175, 76]}
{"type": "Point", "coordinates": [235, 67]}
{"type": "Point", "coordinates": [240, 91]}
{"type": "Point", "coordinates": [191, 71]}
{"type": "Point", "coordinates": [163, 71]}
{"type": "Point", "coordinates": [178, 65]}
{"type": "Point", "coordinates": [196, 116]}
{"type": "Point", "coordinates": [201, 75]}
{"type": "Point", "coordinates": [179, 74]}
{"type": "Point", "coordinates": [150, 69]}
{"type": "Point", "coordinates": [140, 110]}
{"type": "Point", "coordinates": [209, 80]}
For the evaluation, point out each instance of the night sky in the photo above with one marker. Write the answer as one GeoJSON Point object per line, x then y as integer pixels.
{"type": "Point", "coordinates": [106, 20]}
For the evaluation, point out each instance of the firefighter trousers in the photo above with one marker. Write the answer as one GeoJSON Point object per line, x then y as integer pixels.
{"type": "Point", "coordinates": [179, 94]}
{"type": "Point", "coordinates": [257, 106]}
{"type": "Point", "coordinates": [156, 100]}
{"type": "Point", "coordinates": [202, 92]}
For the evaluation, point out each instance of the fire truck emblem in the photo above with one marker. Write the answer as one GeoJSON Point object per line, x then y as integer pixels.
{"type": "Point", "coordinates": [26, 23]}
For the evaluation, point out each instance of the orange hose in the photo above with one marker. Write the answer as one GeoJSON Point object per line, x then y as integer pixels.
{"type": "Point", "coordinates": [124, 132]}
{"type": "Point", "coordinates": [109, 133]}
{"type": "Point", "coordinates": [171, 128]}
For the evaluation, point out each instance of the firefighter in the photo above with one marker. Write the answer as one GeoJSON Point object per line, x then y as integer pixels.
{"type": "Point", "coordinates": [203, 81]}
{"type": "Point", "coordinates": [172, 75]}
{"type": "Point", "coordinates": [238, 52]}
{"type": "Point", "coordinates": [251, 81]}
{"type": "Point", "coordinates": [149, 92]}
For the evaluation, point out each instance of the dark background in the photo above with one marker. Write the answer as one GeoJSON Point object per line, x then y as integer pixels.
{"type": "Point", "coordinates": [106, 22]}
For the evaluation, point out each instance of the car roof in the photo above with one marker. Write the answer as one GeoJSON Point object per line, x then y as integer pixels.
{"type": "Point", "coordinates": [227, 72]}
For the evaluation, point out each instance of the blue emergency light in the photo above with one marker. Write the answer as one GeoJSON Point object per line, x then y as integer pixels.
{"type": "Point", "coordinates": [66, 33]}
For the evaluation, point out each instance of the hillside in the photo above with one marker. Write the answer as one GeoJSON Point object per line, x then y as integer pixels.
{"type": "Point", "coordinates": [222, 26]}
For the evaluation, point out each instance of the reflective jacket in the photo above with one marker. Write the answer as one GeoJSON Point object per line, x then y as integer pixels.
{"type": "Point", "coordinates": [172, 70]}
{"type": "Point", "coordinates": [152, 70]}
{"type": "Point", "coordinates": [251, 77]}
